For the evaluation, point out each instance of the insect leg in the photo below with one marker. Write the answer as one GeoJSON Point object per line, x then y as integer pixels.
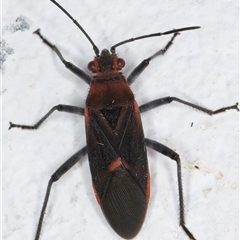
{"type": "Point", "coordinates": [60, 107]}
{"type": "Point", "coordinates": [141, 67]}
{"type": "Point", "coordinates": [161, 101]}
{"type": "Point", "coordinates": [55, 177]}
{"type": "Point", "coordinates": [174, 156]}
{"type": "Point", "coordinates": [79, 72]}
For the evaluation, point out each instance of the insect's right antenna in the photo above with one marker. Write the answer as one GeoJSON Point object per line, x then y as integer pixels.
{"type": "Point", "coordinates": [95, 48]}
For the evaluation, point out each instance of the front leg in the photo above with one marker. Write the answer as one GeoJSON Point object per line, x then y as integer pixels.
{"type": "Point", "coordinates": [141, 67]}
{"type": "Point", "coordinates": [70, 66]}
{"type": "Point", "coordinates": [60, 108]}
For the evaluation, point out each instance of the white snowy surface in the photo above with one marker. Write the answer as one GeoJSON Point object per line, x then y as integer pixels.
{"type": "Point", "coordinates": [200, 67]}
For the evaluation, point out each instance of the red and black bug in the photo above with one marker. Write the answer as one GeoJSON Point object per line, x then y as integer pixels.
{"type": "Point", "coordinates": [116, 145]}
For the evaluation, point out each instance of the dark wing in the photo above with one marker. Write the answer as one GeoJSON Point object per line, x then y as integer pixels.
{"type": "Point", "coordinates": [118, 163]}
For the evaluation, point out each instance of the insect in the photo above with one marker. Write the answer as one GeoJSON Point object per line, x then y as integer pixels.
{"type": "Point", "coordinates": [116, 145]}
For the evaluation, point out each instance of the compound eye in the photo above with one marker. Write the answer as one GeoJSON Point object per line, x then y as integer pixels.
{"type": "Point", "coordinates": [120, 63]}
{"type": "Point", "coordinates": [92, 67]}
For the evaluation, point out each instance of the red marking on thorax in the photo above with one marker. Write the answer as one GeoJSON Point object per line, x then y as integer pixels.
{"type": "Point", "coordinates": [109, 94]}
{"type": "Point", "coordinates": [115, 164]}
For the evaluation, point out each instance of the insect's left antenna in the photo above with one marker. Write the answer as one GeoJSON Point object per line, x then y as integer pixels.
{"type": "Point", "coordinates": [95, 48]}
{"type": "Point", "coordinates": [152, 35]}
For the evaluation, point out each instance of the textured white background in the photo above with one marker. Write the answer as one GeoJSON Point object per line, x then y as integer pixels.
{"type": "Point", "coordinates": [201, 67]}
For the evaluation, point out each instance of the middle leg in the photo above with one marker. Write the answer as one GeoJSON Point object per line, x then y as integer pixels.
{"type": "Point", "coordinates": [60, 108]}
{"type": "Point", "coordinates": [162, 101]}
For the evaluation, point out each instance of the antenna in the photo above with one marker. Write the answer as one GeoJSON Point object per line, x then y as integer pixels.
{"type": "Point", "coordinates": [95, 48]}
{"type": "Point", "coordinates": [152, 35]}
